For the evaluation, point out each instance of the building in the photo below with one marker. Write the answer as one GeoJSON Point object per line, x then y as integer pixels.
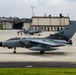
{"type": "Point", "coordinates": [14, 23]}
{"type": "Point", "coordinates": [6, 23]}
{"type": "Point", "coordinates": [26, 23]}
{"type": "Point", "coordinates": [50, 23]}
{"type": "Point", "coordinates": [17, 23]}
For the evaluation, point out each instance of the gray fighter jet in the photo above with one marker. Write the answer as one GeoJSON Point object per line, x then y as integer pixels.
{"type": "Point", "coordinates": [62, 38]}
{"type": "Point", "coordinates": [31, 32]}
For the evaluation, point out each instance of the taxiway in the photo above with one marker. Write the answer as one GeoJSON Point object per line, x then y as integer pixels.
{"type": "Point", "coordinates": [63, 54]}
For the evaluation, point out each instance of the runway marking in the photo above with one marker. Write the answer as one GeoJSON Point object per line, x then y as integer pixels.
{"type": "Point", "coordinates": [73, 47]}
{"type": "Point", "coordinates": [29, 66]}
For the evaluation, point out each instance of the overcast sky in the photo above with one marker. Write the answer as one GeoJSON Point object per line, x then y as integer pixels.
{"type": "Point", "coordinates": [22, 8]}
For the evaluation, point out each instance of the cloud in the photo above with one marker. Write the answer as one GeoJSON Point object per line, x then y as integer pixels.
{"type": "Point", "coordinates": [42, 2]}
{"type": "Point", "coordinates": [12, 7]}
{"type": "Point", "coordinates": [30, 2]}
{"type": "Point", "coordinates": [22, 8]}
{"type": "Point", "coordinates": [71, 0]}
{"type": "Point", "coordinates": [45, 2]}
{"type": "Point", "coordinates": [55, 2]}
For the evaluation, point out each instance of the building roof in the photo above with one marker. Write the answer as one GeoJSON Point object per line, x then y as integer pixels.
{"type": "Point", "coordinates": [6, 20]}
{"type": "Point", "coordinates": [49, 17]}
{"type": "Point", "coordinates": [60, 16]}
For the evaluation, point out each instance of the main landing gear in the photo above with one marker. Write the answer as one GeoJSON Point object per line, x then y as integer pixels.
{"type": "Point", "coordinates": [14, 51]}
{"type": "Point", "coordinates": [70, 41]}
{"type": "Point", "coordinates": [42, 52]}
{"type": "Point", "coordinates": [39, 34]}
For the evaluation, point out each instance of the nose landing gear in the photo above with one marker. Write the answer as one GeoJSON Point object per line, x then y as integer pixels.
{"type": "Point", "coordinates": [41, 52]}
{"type": "Point", "coordinates": [14, 51]}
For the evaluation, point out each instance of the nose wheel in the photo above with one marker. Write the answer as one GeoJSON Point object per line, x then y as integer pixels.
{"type": "Point", "coordinates": [14, 51]}
{"type": "Point", "coordinates": [41, 52]}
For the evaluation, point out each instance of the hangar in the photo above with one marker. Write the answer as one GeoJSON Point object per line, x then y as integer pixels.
{"type": "Point", "coordinates": [50, 23]}
{"type": "Point", "coordinates": [6, 23]}
{"type": "Point", "coordinates": [14, 23]}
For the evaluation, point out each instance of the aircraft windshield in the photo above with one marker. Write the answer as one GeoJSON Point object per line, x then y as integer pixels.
{"type": "Point", "coordinates": [14, 38]}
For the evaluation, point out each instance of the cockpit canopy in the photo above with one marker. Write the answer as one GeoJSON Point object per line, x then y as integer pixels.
{"type": "Point", "coordinates": [16, 38]}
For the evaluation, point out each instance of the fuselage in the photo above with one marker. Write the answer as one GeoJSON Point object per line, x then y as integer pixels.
{"type": "Point", "coordinates": [27, 42]}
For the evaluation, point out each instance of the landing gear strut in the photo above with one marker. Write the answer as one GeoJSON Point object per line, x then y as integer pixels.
{"type": "Point", "coordinates": [41, 52]}
{"type": "Point", "coordinates": [14, 51]}
{"type": "Point", "coordinates": [70, 41]}
{"type": "Point", "coordinates": [39, 34]}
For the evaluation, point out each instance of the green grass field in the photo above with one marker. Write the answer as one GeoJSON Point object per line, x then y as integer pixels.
{"type": "Point", "coordinates": [37, 71]}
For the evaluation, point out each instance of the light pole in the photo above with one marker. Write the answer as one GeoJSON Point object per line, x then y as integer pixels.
{"type": "Point", "coordinates": [32, 10]}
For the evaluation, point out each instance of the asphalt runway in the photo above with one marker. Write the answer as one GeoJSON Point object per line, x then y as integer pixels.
{"type": "Point", "coordinates": [37, 65]}
{"type": "Point", "coordinates": [63, 57]}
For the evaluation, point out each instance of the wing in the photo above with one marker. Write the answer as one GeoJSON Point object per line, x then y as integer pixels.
{"type": "Point", "coordinates": [49, 42]}
{"type": "Point", "coordinates": [42, 44]}
{"type": "Point", "coordinates": [46, 42]}
{"type": "Point", "coordinates": [32, 31]}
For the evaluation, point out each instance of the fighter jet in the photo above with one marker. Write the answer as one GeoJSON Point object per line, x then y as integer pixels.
{"type": "Point", "coordinates": [49, 43]}
{"type": "Point", "coordinates": [31, 32]}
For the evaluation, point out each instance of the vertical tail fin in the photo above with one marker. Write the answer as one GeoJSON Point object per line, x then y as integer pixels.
{"type": "Point", "coordinates": [68, 31]}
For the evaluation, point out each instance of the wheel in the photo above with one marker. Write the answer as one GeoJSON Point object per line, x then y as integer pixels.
{"type": "Point", "coordinates": [17, 33]}
{"type": "Point", "coordinates": [41, 52]}
{"type": "Point", "coordinates": [14, 52]}
{"type": "Point", "coordinates": [32, 33]}
{"type": "Point", "coordinates": [70, 42]}
{"type": "Point", "coordinates": [39, 34]}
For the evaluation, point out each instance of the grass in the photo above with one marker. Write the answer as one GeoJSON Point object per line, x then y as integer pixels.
{"type": "Point", "coordinates": [37, 71]}
{"type": "Point", "coordinates": [1, 26]}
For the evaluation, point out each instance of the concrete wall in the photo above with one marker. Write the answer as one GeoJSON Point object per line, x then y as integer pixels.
{"type": "Point", "coordinates": [50, 23]}
{"type": "Point", "coordinates": [7, 25]}
{"type": "Point", "coordinates": [26, 25]}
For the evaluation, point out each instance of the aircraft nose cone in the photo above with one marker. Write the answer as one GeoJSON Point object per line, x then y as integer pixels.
{"type": "Point", "coordinates": [0, 44]}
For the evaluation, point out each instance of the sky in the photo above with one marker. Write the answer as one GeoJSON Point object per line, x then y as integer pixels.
{"type": "Point", "coordinates": [23, 9]}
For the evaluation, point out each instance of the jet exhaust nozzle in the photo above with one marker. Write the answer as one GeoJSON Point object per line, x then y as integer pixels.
{"type": "Point", "coordinates": [0, 44]}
